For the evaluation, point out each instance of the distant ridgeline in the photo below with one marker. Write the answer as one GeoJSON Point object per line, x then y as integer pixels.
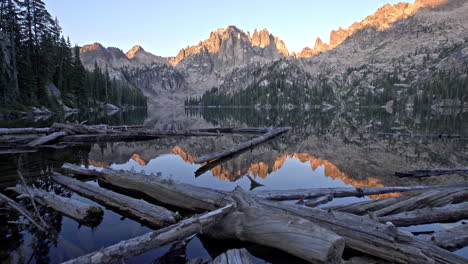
{"type": "Point", "coordinates": [292, 86]}
{"type": "Point", "coordinates": [38, 67]}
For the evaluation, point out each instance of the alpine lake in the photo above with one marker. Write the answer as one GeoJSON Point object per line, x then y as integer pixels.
{"type": "Point", "coordinates": [324, 149]}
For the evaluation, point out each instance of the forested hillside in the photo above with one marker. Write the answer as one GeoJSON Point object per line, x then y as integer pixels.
{"type": "Point", "coordinates": [39, 66]}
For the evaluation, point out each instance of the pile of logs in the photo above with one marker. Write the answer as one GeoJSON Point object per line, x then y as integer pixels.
{"type": "Point", "coordinates": [19, 140]}
{"type": "Point", "coordinates": [317, 235]}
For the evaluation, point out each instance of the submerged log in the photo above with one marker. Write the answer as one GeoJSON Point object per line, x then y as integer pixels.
{"type": "Point", "coordinates": [176, 254]}
{"type": "Point", "coordinates": [24, 212]}
{"type": "Point", "coordinates": [450, 239]}
{"type": "Point", "coordinates": [181, 195]}
{"type": "Point", "coordinates": [234, 256]}
{"type": "Point", "coordinates": [271, 227]}
{"type": "Point", "coordinates": [138, 245]}
{"type": "Point", "coordinates": [217, 155]}
{"type": "Point", "coordinates": [140, 209]}
{"type": "Point", "coordinates": [318, 201]}
{"type": "Point", "coordinates": [449, 213]}
{"type": "Point", "coordinates": [431, 172]}
{"type": "Point", "coordinates": [46, 139]}
{"type": "Point", "coordinates": [75, 209]}
{"type": "Point", "coordinates": [284, 195]}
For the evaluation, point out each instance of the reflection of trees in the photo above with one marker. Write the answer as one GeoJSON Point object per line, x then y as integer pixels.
{"type": "Point", "coordinates": [36, 170]}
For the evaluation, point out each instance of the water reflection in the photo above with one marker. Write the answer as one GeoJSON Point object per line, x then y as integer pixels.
{"type": "Point", "coordinates": [323, 150]}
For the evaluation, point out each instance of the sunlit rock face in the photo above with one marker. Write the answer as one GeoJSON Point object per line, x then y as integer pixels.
{"type": "Point", "coordinates": [382, 19]}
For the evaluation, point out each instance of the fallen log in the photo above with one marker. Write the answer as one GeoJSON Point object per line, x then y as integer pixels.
{"type": "Point", "coordinates": [181, 195]}
{"type": "Point", "coordinates": [46, 139]}
{"type": "Point", "coordinates": [138, 245]}
{"type": "Point", "coordinates": [432, 198]}
{"type": "Point", "coordinates": [217, 155]}
{"type": "Point", "coordinates": [140, 209]}
{"type": "Point", "coordinates": [271, 227]}
{"type": "Point", "coordinates": [234, 256]}
{"type": "Point", "coordinates": [284, 195]}
{"type": "Point", "coordinates": [75, 209]}
{"type": "Point", "coordinates": [449, 213]}
{"type": "Point", "coordinates": [318, 201]}
{"type": "Point", "coordinates": [370, 237]}
{"type": "Point", "coordinates": [20, 209]}
{"type": "Point", "coordinates": [27, 130]}
{"type": "Point", "coordinates": [361, 208]}
{"type": "Point", "coordinates": [360, 233]}
{"type": "Point", "coordinates": [431, 172]}
{"type": "Point", "coordinates": [450, 239]}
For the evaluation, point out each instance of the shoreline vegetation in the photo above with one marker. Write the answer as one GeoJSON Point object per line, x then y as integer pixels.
{"type": "Point", "coordinates": [40, 68]}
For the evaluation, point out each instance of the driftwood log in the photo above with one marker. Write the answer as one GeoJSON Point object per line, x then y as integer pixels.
{"type": "Point", "coordinates": [284, 195]}
{"type": "Point", "coordinates": [450, 239]}
{"type": "Point", "coordinates": [245, 145]}
{"type": "Point", "coordinates": [431, 172]}
{"type": "Point", "coordinates": [449, 213]}
{"type": "Point", "coordinates": [73, 208]}
{"type": "Point", "coordinates": [181, 195]}
{"type": "Point", "coordinates": [143, 211]}
{"type": "Point", "coordinates": [274, 228]}
{"type": "Point", "coordinates": [138, 245]}
{"type": "Point", "coordinates": [360, 233]}
{"type": "Point", "coordinates": [234, 256]}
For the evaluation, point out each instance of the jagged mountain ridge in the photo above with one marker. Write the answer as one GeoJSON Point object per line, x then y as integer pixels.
{"type": "Point", "coordinates": [229, 56]}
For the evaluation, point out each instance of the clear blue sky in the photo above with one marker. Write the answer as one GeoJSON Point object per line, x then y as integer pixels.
{"type": "Point", "coordinates": [163, 27]}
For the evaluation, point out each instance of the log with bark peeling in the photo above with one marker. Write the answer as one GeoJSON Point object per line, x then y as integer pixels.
{"type": "Point", "coordinates": [140, 209]}
{"type": "Point", "coordinates": [234, 256]}
{"type": "Point", "coordinates": [449, 213]}
{"type": "Point", "coordinates": [284, 195]}
{"type": "Point", "coordinates": [450, 239]}
{"type": "Point", "coordinates": [73, 208]}
{"type": "Point", "coordinates": [230, 151]}
{"type": "Point", "coordinates": [138, 245]}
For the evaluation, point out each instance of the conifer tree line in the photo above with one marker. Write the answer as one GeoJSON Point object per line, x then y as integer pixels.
{"type": "Point", "coordinates": [35, 57]}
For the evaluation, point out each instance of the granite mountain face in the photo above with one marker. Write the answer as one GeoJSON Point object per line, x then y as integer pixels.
{"type": "Point", "coordinates": [391, 56]}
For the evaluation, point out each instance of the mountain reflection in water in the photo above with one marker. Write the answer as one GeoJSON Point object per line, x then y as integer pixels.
{"type": "Point", "coordinates": [324, 149]}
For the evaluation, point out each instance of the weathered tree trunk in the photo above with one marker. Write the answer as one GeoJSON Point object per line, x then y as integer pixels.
{"type": "Point", "coordinates": [234, 256]}
{"type": "Point", "coordinates": [283, 195]}
{"type": "Point", "coordinates": [181, 195]}
{"type": "Point", "coordinates": [80, 211]}
{"type": "Point", "coordinates": [141, 210]}
{"type": "Point", "coordinates": [27, 130]}
{"type": "Point", "coordinates": [46, 139]}
{"type": "Point", "coordinates": [450, 239]}
{"type": "Point", "coordinates": [318, 201]}
{"type": "Point", "coordinates": [367, 236]}
{"type": "Point", "coordinates": [361, 208]}
{"type": "Point", "coordinates": [138, 245]}
{"type": "Point", "coordinates": [244, 145]}
{"type": "Point", "coordinates": [20, 209]}
{"type": "Point", "coordinates": [433, 198]}
{"type": "Point", "coordinates": [449, 213]}
{"type": "Point", "coordinates": [271, 227]}
{"type": "Point", "coordinates": [431, 172]}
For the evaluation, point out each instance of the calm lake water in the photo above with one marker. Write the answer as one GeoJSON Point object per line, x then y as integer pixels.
{"type": "Point", "coordinates": [324, 149]}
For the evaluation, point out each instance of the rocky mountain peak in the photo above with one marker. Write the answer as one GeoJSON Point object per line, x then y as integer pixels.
{"type": "Point", "coordinates": [133, 51]}
{"type": "Point", "coordinates": [382, 19]}
{"type": "Point", "coordinates": [91, 47]}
